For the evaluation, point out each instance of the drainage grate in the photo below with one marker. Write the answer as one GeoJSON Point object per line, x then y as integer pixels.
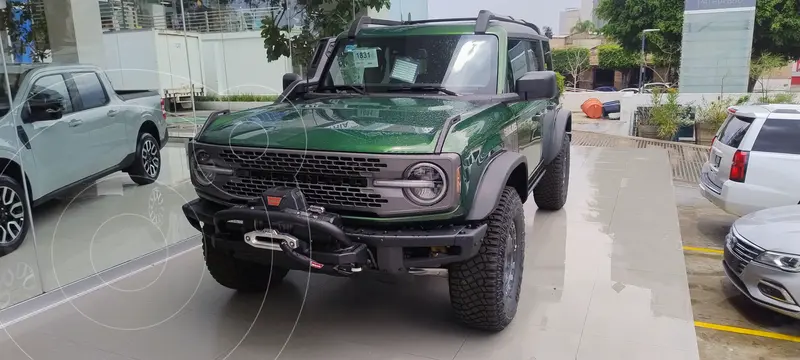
{"type": "Point", "coordinates": [686, 160]}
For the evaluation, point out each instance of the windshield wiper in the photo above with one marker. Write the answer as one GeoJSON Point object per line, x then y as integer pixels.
{"type": "Point", "coordinates": [357, 88]}
{"type": "Point", "coordinates": [422, 88]}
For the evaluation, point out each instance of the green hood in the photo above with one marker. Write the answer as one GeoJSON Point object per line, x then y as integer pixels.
{"type": "Point", "coordinates": [349, 124]}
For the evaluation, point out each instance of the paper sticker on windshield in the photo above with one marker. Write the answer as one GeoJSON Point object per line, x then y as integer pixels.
{"type": "Point", "coordinates": [365, 58]}
{"type": "Point", "coordinates": [405, 69]}
{"type": "Point", "coordinates": [369, 113]}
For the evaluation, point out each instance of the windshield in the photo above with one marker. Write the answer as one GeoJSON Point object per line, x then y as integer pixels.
{"type": "Point", "coordinates": [465, 64]}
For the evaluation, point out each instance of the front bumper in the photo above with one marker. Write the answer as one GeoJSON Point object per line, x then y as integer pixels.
{"type": "Point", "coordinates": [754, 274]}
{"type": "Point", "coordinates": [392, 251]}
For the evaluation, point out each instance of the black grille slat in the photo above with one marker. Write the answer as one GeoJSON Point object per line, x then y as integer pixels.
{"type": "Point", "coordinates": [325, 180]}
{"type": "Point", "coordinates": [745, 251]}
{"type": "Point", "coordinates": [302, 163]}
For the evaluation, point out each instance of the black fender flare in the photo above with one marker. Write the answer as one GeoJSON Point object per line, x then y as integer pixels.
{"type": "Point", "coordinates": [493, 181]}
{"type": "Point", "coordinates": [554, 125]}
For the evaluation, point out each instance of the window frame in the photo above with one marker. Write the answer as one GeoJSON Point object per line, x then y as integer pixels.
{"type": "Point", "coordinates": [533, 44]}
{"type": "Point", "coordinates": [70, 94]}
{"type": "Point", "coordinates": [79, 99]}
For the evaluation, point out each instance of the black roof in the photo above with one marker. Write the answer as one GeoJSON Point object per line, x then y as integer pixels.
{"type": "Point", "coordinates": [482, 22]}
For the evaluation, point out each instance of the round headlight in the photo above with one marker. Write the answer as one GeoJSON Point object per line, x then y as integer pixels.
{"type": "Point", "coordinates": [203, 178]}
{"type": "Point", "coordinates": [434, 191]}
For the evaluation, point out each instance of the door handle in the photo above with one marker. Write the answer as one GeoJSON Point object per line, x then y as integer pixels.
{"type": "Point", "coordinates": [112, 113]}
{"type": "Point", "coordinates": [75, 122]}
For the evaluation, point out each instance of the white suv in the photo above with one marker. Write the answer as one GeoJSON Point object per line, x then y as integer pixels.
{"type": "Point", "coordinates": [754, 162]}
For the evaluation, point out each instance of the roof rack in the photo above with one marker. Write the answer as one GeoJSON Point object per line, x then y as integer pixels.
{"type": "Point", "coordinates": [481, 22]}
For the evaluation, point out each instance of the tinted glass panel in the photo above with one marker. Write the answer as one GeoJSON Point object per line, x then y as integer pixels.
{"type": "Point", "coordinates": [519, 55]}
{"type": "Point", "coordinates": [733, 131]}
{"type": "Point", "coordinates": [91, 91]}
{"type": "Point", "coordinates": [49, 89]}
{"type": "Point", "coordinates": [779, 136]}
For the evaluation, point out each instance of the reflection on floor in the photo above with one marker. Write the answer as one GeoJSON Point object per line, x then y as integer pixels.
{"type": "Point", "coordinates": [604, 279]}
{"type": "Point", "coordinates": [99, 226]}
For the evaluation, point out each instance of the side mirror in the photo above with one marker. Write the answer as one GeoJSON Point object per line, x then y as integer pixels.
{"type": "Point", "coordinates": [537, 85]}
{"type": "Point", "coordinates": [289, 79]}
{"type": "Point", "coordinates": [38, 110]}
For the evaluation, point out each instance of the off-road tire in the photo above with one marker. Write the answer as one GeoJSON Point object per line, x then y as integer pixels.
{"type": "Point", "coordinates": [11, 209]}
{"type": "Point", "coordinates": [237, 274]}
{"type": "Point", "coordinates": [551, 191]}
{"type": "Point", "coordinates": [480, 295]}
{"type": "Point", "coordinates": [140, 171]}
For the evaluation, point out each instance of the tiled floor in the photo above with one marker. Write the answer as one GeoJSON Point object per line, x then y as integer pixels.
{"type": "Point", "coordinates": [604, 279]}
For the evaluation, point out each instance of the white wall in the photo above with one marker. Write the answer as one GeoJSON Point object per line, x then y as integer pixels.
{"type": "Point", "coordinates": [236, 63]}
{"type": "Point", "coordinates": [152, 59]}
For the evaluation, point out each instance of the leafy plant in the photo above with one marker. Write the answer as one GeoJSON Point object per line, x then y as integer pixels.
{"type": "Point", "coordinates": [666, 114]}
{"type": "Point", "coordinates": [763, 65]}
{"type": "Point", "coordinates": [777, 98]}
{"type": "Point", "coordinates": [712, 115]}
{"type": "Point", "coordinates": [23, 38]}
{"type": "Point", "coordinates": [584, 27]}
{"type": "Point", "coordinates": [560, 80]}
{"type": "Point", "coordinates": [309, 20]}
{"type": "Point", "coordinates": [571, 62]}
{"type": "Point", "coordinates": [777, 23]}
{"type": "Point", "coordinates": [614, 57]}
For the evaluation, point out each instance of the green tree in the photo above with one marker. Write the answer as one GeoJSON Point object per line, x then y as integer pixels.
{"type": "Point", "coordinates": [548, 31]}
{"type": "Point", "coordinates": [777, 25]}
{"type": "Point", "coordinates": [35, 38]}
{"type": "Point", "coordinates": [614, 57]}
{"type": "Point", "coordinates": [584, 27]}
{"type": "Point", "coordinates": [571, 62]}
{"type": "Point", "coordinates": [762, 65]}
{"type": "Point", "coordinates": [315, 19]}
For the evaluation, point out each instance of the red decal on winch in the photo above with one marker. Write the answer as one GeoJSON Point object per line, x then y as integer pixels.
{"type": "Point", "coordinates": [316, 265]}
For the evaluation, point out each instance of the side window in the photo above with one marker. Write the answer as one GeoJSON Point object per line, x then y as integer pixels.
{"type": "Point", "coordinates": [537, 58]}
{"type": "Point", "coordinates": [520, 56]}
{"type": "Point", "coordinates": [779, 136]}
{"type": "Point", "coordinates": [90, 90]}
{"type": "Point", "coordinates": [47, 93]}
{"type": "Point", "coordinates": [548, 57]}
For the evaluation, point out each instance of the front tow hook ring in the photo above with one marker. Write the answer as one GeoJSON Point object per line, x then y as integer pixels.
{"type": "Point", "coordinates": [251, 238]}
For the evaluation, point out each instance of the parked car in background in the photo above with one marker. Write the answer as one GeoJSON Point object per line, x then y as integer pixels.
{"type": "Point", "coordinates": [630, 90]}
{"type": "Point", "coordinates": [762, 258]}
{"type": "Point", "coordinates": [70, 127]}
{"type": "Point", "coordinates": [656, 85]}
{"type": "Point", "coordinates": [606, 89]}
{"type": "Point", "coordinates": [754, 162]}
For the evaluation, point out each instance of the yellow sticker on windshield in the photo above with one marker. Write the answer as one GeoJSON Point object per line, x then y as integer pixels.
{"type": "Point", "coordinates": [365, 58]}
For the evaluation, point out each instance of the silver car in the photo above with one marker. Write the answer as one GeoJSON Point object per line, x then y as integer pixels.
{"type": "Point", "coordinates": [762, 258]}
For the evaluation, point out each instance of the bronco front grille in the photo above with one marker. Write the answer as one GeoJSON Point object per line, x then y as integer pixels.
{"type": "Point", "coordinates": [309, 162]}
{"type": "Point", "coordinates": [326, 180]}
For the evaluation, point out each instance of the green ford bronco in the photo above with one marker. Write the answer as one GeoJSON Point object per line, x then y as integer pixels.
{"type": "Point", "coordinates": [409, 147]}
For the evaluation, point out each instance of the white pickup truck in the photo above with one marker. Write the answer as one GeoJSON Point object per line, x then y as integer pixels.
{"type": "Point", "coordinates": [64, 125]}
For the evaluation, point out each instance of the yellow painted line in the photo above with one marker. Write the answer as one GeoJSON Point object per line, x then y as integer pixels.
{"type": "Point", "coordinates": [704, 250]}
{"type": "Point", "coordinates": [744, 331]}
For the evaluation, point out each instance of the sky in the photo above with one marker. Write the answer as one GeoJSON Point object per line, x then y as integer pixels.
{"type": "Point", "coordinates": [540, 12]}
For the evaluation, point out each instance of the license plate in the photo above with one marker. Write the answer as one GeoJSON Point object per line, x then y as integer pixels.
{"type": "Point", "coordinates": [717, 160]}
